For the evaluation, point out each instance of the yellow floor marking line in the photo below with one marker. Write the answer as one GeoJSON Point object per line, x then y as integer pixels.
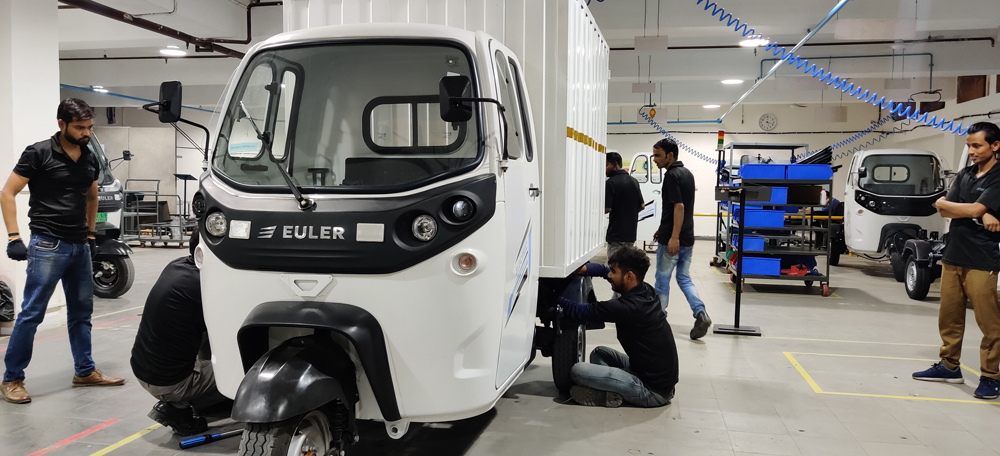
{"type": "Point", "coordinates": [127, 440]}
{"type": "Point", "coordinates": [812, 383]}
{"type": "Point", "coordinates": [860, 342]}
{"type": "Point", "coordinates": [886, 357]}
{"type": "Point", "coordinates": [804, 374]}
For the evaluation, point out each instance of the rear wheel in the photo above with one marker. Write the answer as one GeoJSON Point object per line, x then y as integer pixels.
{"type": "Point", "coordinates": [569, 348]}
{"type": "Point", "coordinates": [300, 436]}
{"type": "Point", "coordinates": [918, 279]}
{"type": "Point", "coordinates": [113, 276]}
{"type": "Point", "coordinates": [898, 264]}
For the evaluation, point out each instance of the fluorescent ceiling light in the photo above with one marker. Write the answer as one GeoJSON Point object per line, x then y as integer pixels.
{"type": "Point", "coordinates": [732, 81]}
{"type": "Point", "coordinates": [173, 51]}
{"type": "Point", "coordinates": [754, 41]}
{"type": "Point", "coordinates": [99, 89]}
{"type": "Point", "coordinates": [713, 106]}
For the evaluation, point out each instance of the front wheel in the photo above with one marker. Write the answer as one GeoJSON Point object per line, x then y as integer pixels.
{"type": "Point", "coordinates": [308, 434]}
{"type": "Point", "coordinates": [918, 280]}
{"type": "Point", "coordinates": [113, 276]}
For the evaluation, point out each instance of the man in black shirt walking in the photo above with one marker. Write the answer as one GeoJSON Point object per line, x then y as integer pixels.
{"type": "Point", "coordinates": [622, 203]}
{"type": "Point", "coordinates": [165, 355]}
{"type": "Point", "coordinates": [970, 264]}
{"type": "Point", "coordinates": [646, 373]}
{"type": "Point", "coordinates": [676, 234]}
{"type": "Point", "coordinates": [61, 175]}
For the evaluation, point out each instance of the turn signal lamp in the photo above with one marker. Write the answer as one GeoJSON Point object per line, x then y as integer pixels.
{"type": "Point", "coordinates": [467, 262]}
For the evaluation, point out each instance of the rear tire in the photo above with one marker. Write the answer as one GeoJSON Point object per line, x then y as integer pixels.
{"type": "Point", "coordinates": [836, 248]}
{"type": "Point", "coordinates": [918, 279]}
{"type": "Point", "coordinates": [898, 266]}
{"type": "Point", "coordinates": [117, 278]}
{"type": "Point", "coordinates": [287, 437]}
{"type": "Point", "coordinates": [569, 348]}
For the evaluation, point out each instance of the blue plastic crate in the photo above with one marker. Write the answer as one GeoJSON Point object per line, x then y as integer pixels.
{"type": "Point", "coordinates": [762, 218]}
{"type": "Point", "coordinates": [761, 266]}
{"type": "Point", "coordinates": [809, 172]}
{"type": "Point", "coordinates": [736, 208]}
{"type": "Point", "coordinates": [750, 243]}
{"type": "Point", "coordinates": [779, 195]}
{"type": "Point", "coordinates": [762, 171]}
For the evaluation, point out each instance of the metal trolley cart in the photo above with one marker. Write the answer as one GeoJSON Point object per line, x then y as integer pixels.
{"type": "Point", "coordinates": [763, 237]}
{"type": "Point", "coordinates": [147, 216]}
{"type": "Point", "coordinates": [726, 172]}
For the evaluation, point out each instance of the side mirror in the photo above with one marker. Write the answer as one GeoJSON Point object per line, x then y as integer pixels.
{"type": "Point", "coordinates": [451, 90]}
{"type": "Point", "coordinates": [126, 155]}
{"type": "Point", "coordinates": [862, 172]}
{"type": "Point", "coordinates": [170, 102]}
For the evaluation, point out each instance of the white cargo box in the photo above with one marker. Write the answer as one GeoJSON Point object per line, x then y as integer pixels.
{"type": "Point", "coordinates": [565, 60]}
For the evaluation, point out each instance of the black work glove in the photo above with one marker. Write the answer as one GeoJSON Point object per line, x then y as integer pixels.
{"type": "Point", "coordinates": [16, 250]}
{"type": "Point", "coordinates": [93, 247]}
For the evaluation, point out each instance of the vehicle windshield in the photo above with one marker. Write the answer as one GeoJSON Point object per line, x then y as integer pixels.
{"type": "Point", "coordinates": [342, 117]}
{"type": "Point", "coordinates": [104, 177]}
{"type": "Point", "coordinates": [902, 175]}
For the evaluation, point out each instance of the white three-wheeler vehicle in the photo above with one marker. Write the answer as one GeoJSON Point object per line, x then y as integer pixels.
{"type": "Point", "coordinates": [386, 220]}
{"type": "Point", "coordinates": [889, 212]}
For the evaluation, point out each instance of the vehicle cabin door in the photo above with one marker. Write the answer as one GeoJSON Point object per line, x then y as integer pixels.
{"type": "Point", "coordinates": [521, 211]}
{"type": "Point", "coordinates": [650, 178]}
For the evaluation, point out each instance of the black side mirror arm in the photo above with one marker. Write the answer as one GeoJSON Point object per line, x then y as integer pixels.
{"type": "Point", "coordinates": [503, 117]}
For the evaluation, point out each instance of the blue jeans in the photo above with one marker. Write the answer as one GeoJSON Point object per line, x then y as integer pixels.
{"type": "Point", "coordinates": [51, 260]}
{"type": "Point", "coordinates": [665, 265]}
{"type": "Point", "coordinates": [608, 371]}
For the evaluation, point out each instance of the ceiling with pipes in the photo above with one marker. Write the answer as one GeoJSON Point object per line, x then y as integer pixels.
{"type": "Point", "coordinates": [869, 41]}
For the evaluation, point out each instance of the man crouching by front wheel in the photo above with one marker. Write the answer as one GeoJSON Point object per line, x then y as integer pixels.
{"type": "Point", "coordinates": [646, 373]}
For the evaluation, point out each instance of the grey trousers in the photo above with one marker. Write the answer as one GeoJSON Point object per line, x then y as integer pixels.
{"type": "Point", "coordinates": [197, 390]}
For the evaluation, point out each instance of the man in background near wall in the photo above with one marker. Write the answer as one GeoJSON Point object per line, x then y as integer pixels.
{"type": "Point", "coordinates": [622, 203]}
{"type": "Point", "coordinates": [61, 175]}
{"type": "Point", "coordinates": [970, 264]}
{"type": "Point", "coordinates": [676, 234]}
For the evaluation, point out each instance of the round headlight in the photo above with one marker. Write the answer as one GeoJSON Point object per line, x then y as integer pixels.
{"type": "Point", "coordinates": [462, 210]}
{"type": "Point", "coordinates": [424, 228]}
{"type": "Point", "coordinates": [216, 224]}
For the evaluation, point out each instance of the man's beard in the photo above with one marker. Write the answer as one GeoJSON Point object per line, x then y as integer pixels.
{"type": "Point", "coordinates": [82, 141]}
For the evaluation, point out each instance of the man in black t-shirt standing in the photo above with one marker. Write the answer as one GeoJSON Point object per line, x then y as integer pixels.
{"type": "Point", "coordinates": [165, 357]}
{"type": "Point", "coordinates": [970, 264]}
{"type": "Point", "coordinates": [61, 175]}
{"type": "Point", "coordinates": [646, 373]}
{"type": "Point", "coordinates": [676, 234]}
{"type": "Point", "coordinates": [622, 203]}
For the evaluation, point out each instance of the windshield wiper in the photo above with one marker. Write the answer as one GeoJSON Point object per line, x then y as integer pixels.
{"type": "Point", "coordinates": [305, 203]}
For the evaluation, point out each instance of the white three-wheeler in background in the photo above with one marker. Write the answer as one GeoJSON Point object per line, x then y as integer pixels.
{"type": "Point", "coordinates": [386, 219]}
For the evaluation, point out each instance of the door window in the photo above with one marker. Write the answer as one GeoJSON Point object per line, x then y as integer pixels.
{"type": "Point", "coordinates": [640, 169]}
{"type": "Point", "coordinates": [522, 108]}
{"type": "Point", "coordinates": [508, 95]}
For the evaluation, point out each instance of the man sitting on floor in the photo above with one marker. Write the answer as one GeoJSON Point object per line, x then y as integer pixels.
{"type": "Point", "coordinates": [165, 357]}
{"type": "Point", "coordinates": [646, 373]}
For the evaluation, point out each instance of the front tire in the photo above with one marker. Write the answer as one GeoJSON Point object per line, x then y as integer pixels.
{"type": "Point", "coordinates": [113, 276]}
{"type": "Point", "coordinates": [918, 279]}
{"type": "Point", "coordinates": [295, 437]}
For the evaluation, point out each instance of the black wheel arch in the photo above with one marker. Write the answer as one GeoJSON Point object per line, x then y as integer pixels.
{"type": "Point", "coordinates": [359, 326]}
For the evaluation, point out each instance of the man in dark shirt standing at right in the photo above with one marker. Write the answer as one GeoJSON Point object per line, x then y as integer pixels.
{"type": "Point", "coordinates": [676, 234]}
{"type": "Point", "coordinates": [622, 203]}
{"type": "Point", "coordinates": [165, 355]}
{"type": "Point", "coordinates": [970, 264]}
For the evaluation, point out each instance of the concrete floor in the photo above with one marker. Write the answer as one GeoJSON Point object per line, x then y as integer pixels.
{"type": "Point", "coordinates": [830, 376]}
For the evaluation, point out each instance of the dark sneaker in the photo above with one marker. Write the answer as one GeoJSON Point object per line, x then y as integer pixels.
{"type": "Point", "coordinates": [181, 420]}
{"type": "Point", "coordinates": [595, 398]}
{"type": "Point", "coordinates": [939, 373]}
{"type": "Point", "coordinates": [988, 388]}
{"type": "Point", "coordinates": [701, 324]}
